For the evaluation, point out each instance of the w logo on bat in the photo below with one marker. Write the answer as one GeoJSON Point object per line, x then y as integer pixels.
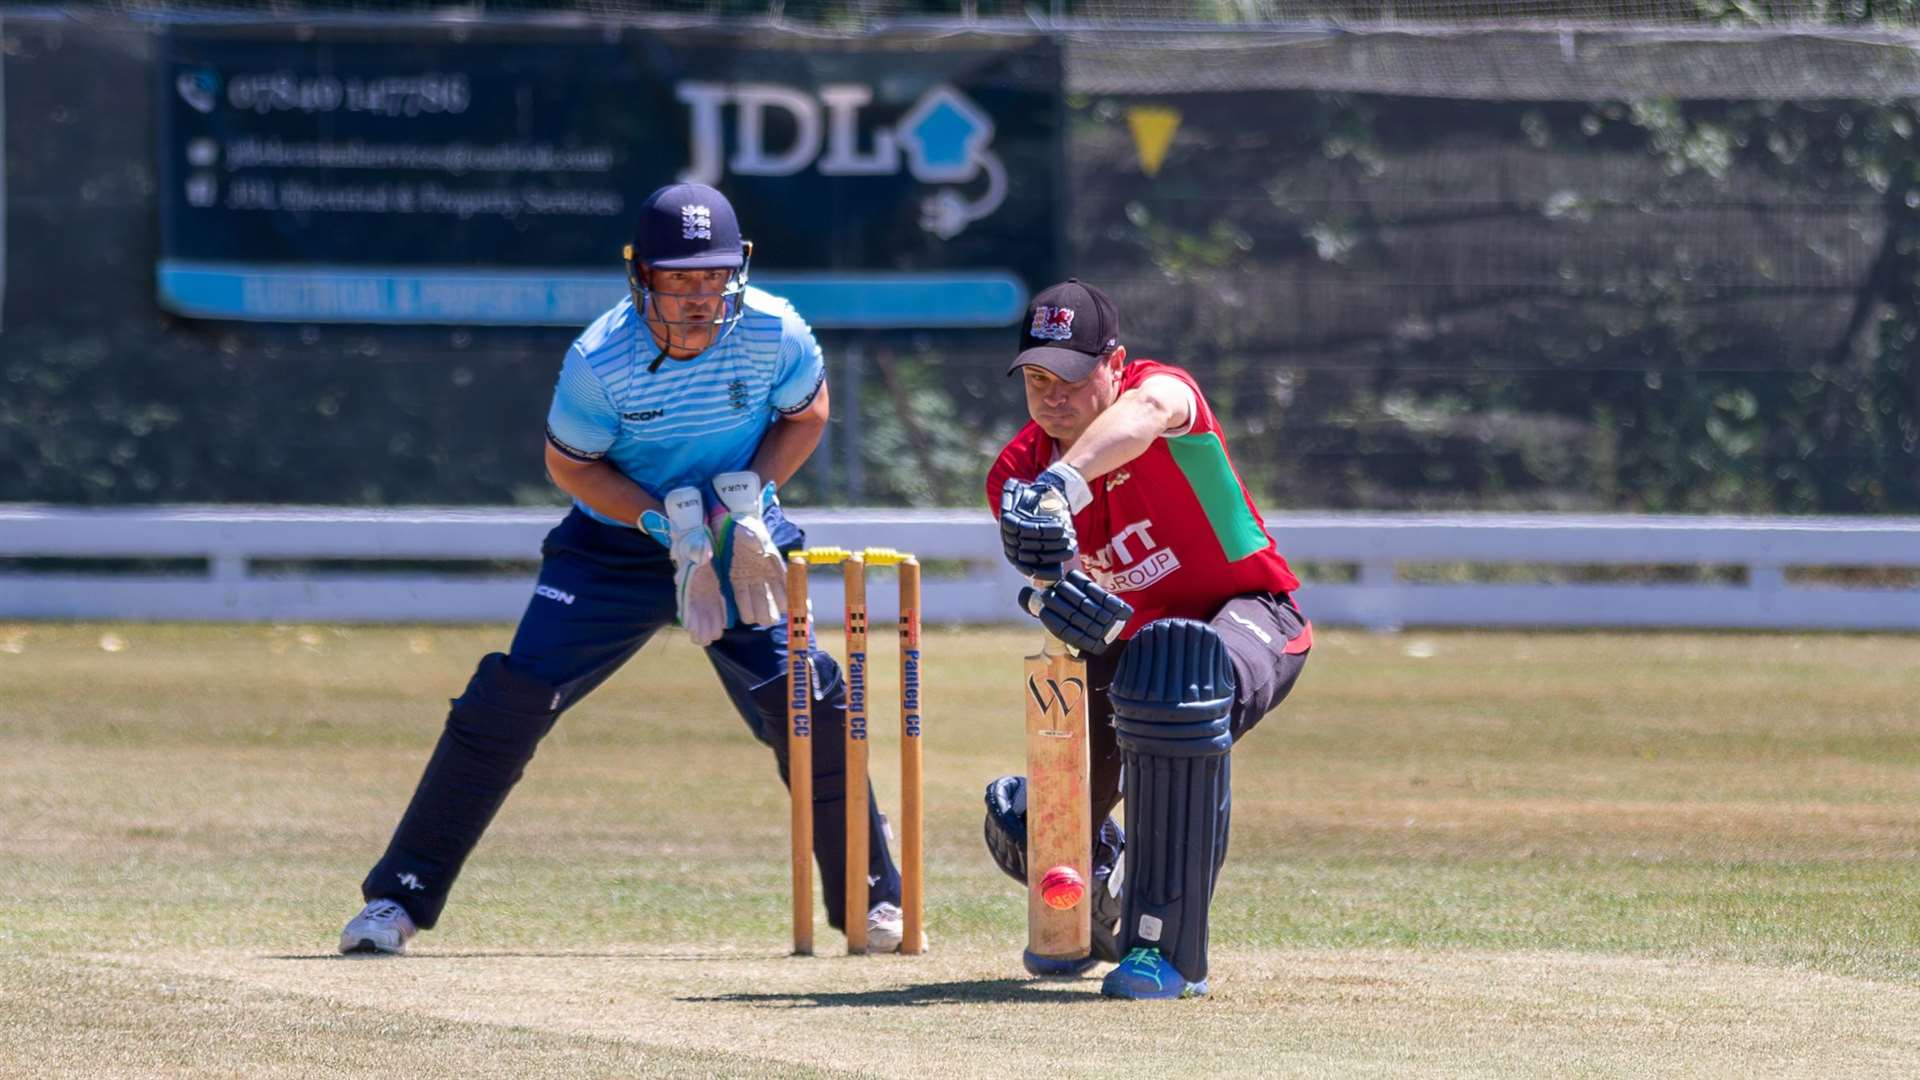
{"type": "Point", "coordinates": [1053, 699]}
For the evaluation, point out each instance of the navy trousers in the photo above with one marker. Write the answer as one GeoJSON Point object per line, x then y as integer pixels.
{"type": "Point", "coordinates": [603, 592]}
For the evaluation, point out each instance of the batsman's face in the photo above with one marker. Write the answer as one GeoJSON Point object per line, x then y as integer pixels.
{"type": "Point", "coordinates": [1064, 409]}
{"type": "Point", "coordinates": [686, 304]}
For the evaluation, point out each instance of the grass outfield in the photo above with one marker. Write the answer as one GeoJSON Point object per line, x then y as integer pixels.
{"type": "Point", "coordinates": [1453, 854]}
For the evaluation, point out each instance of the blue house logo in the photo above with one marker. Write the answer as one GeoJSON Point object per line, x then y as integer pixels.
{"type": "Point", "coordinates": [947, 140]}
{"type": "Point", "coordinates": [945, 136]}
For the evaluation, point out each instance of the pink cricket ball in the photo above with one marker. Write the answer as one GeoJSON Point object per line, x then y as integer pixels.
{"type": "Point", "coordinates": [1062, 887]}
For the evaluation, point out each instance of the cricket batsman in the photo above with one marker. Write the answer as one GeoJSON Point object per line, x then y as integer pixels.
{"type": "Point", "coordinates": [677, 416]}
{"type": "Point", "coordinates": [1124, 467]}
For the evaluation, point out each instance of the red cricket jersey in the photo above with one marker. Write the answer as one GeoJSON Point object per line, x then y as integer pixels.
{"type": "Point", "coordinates": [1173, 531]}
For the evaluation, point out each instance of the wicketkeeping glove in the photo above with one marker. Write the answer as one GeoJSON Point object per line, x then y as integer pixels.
{"type": "Point", "coordinates": [696, 584]}
{"type": "Point", "coordinates": [1078, 612]}
{"type": "Point", "coordinates": [1036, 520]}
{"type": "Point", "coordinates": [756, 570]}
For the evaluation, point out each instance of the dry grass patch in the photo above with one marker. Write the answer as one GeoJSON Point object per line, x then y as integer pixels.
{"type": "Point", "coordinates": [1453, 855]}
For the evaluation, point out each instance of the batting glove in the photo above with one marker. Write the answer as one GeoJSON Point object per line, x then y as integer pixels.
{"type": "Point", "coordinates": [696, 584]}
{"type": "Point", "coordinates": [755, 568]}
{"type": "Point", "coordinates": [1078, 612]}
{"type": "Point", "coordinates": [1036, 520]}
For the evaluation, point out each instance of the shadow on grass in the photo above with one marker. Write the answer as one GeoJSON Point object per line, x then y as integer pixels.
{"type": "Point", "coordinates": [416, 958]}
{"type": "Point", "coordinates": [971, 991]}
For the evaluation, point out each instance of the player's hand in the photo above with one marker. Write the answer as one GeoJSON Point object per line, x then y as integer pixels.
{"type": "Point", "coordinates": [696, 584]}
{"type": "Point", "coordinates": [1036, 522]}
{"type": "Point", "coordinates": [1078, 612]}
{"type": "Point", "coordinates": [756, 570]}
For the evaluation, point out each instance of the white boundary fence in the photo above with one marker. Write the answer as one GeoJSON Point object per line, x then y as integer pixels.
{"type": "Point", "coordinates": [1358, 566]}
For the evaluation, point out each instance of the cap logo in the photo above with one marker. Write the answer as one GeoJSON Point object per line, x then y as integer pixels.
{"type": "Point", "coordinates": [1052, 323]}
{"type": "Point", "coordinates": [696, 223]}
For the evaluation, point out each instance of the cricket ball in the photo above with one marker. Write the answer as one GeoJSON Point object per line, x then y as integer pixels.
{"type": "Point", "coordinates": [1061, 887]}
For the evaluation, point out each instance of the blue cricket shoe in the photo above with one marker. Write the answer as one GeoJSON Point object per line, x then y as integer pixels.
{"type": "Point", "coordinates": [1145, 975]}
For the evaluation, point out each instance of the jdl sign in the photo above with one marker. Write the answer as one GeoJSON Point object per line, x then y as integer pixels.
{"type": "Point", "coordinates": [896, 181]}
{"type": "Point", "coordinates": [883, 152]}
{"type": "Point", "coordinates": [944, 138]}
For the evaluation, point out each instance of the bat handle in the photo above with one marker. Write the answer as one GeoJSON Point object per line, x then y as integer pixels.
{"type": "Point", "coordinates": [1031, 600]}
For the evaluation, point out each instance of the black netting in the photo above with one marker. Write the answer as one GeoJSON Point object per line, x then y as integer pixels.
{"type": "Point", "coordinates": [1415, 262]}
{"type": "Point", "coordinates": [1372, 14]}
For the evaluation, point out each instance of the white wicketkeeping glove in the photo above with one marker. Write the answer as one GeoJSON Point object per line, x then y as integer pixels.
{"type": "Point", "coordinates": [696, 583]}
{"type": "Point", "coordinates": [755, 568]}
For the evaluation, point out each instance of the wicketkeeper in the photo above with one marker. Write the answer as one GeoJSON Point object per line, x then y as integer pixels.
{"type": "Point", "coordinates": [677, 416]}
{"type": "Point", "coordinates": [1125, 468]}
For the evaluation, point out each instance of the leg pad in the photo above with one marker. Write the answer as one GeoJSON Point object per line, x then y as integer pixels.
{"type": "Point", "coordinates": [1172, 699]}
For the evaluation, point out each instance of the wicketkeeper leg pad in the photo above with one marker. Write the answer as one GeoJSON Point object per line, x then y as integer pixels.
{"type": "Point", "coordinates": [1172, 698]}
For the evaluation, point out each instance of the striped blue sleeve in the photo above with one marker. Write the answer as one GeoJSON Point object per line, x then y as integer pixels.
{"type": "Point", "coordinates": [582, 421]}
{"type": "Point", "coordinates": [802, 371]}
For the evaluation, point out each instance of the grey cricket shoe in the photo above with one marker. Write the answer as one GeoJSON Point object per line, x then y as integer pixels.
{"type": "Point", "coordinates": [382, 927]}
{"type": "Point", "coordinates": [885, 928]}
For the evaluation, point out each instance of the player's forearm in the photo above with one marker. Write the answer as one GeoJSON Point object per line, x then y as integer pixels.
{"type": "Point", "coordinates": [1120, 434]}
{"type": "Point", "coordinates": [791, 441]}
{"type": "Point", "coordinates": [601, 486]}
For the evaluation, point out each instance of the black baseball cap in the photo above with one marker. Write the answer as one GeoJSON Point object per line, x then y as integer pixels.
{"type": "Point", "coordinates": [687, 227]}
{"type": "Point", "coordinates": [1069, 327]}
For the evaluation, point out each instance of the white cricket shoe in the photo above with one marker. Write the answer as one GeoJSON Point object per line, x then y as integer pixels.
{"type": "Point", "coordinates": [884, 928]}
{"type": "Point", "coordinates": [384, 927]}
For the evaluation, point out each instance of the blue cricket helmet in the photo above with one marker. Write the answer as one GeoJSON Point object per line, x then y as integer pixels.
{"type": "Point", "coordinates": [689, 226]}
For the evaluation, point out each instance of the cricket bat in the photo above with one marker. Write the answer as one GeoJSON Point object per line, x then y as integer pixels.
{"type": "Point", "coordinates": [1059, 832]}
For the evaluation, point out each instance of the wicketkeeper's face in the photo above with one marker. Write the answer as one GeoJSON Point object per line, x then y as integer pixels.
{"type": "Point", "coordinates": [689, 303]}
{"type": "Point", "coordinates": [1064, 409]}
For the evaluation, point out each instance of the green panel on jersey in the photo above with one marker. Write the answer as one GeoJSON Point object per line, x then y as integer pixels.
{"type": "Point", "coordinates": [1204, 461]}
